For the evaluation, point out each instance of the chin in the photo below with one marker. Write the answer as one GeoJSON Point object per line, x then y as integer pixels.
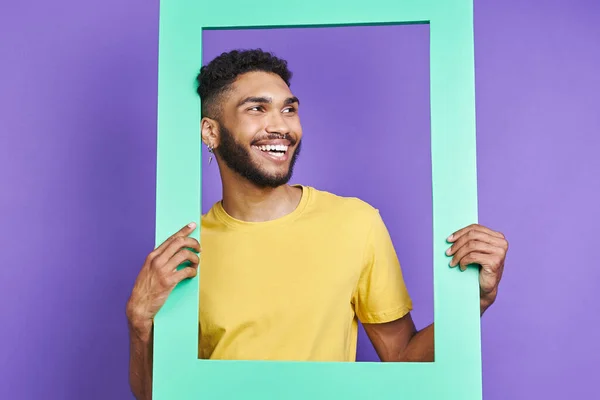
{"type": "Point", "coordinates": [270, 178]}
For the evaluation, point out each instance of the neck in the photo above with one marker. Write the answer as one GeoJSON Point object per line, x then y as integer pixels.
{"type": "Point", "coordinates": [247, 202]}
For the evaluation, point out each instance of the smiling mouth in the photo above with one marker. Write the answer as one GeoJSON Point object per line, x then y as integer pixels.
{"type": "Point", "coordinates": [274, 150]}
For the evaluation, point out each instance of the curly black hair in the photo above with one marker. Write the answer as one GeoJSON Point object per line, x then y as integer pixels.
{"type": "Point", "coordinates": [216, 78]}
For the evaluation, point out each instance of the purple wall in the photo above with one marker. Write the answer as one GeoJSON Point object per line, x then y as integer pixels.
{"type": "Point", "coordinates": [366, 133]}
{"type": "Point", "coordinates": [77, 126]}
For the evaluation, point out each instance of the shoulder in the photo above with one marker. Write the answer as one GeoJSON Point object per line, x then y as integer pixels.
{"type": "Point", "coordinates": [210, 219]}
{"type": "Point", "coordinates": [350, 208]}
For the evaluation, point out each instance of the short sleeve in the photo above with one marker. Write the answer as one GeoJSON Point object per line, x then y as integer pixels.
{"type": "Point", "coordinates": [381, 294]}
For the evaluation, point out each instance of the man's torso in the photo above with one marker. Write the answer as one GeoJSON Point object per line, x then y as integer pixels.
{"type": "Point", "coordinates": [283, 289]}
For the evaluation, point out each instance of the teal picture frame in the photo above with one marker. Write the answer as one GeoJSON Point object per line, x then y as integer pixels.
{"type": "Point", "coordinates": [456, 372]}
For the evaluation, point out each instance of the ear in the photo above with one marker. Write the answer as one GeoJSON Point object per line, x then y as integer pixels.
{"type": "Point", "coordinates": [209, 129]}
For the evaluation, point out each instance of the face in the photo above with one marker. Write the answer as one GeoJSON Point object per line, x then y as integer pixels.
{"type": "Point", "coordinates": [259, 129]}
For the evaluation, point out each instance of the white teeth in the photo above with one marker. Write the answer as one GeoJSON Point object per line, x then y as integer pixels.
{"type": "Point", "coordinates": [274, 147]}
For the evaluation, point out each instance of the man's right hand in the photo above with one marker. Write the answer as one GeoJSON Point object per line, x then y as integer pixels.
{"type": "Point", "coordinates": [159, 276]}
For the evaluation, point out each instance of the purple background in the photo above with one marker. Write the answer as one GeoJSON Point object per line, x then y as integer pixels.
{"type": "Point", "coordinates": [364, 108]}
{"type": "Point", "coordinates": [77, 148]}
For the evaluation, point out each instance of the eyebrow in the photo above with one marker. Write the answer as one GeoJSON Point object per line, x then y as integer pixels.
{"type": "Point", "coordinates": [267, 100]}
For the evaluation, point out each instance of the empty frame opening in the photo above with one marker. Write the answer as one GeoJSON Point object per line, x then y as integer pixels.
{"type": "Point", "coordinates": [365, 119]}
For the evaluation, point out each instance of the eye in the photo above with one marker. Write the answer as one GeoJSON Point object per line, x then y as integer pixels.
{"type": "Point", "coordinates": [255, 108]}
{"type": "Point", "coordinates": [289, 110]}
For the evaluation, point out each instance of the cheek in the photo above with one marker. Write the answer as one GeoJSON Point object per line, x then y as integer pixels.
{"type": "Point", "coordinates": [246, 129]}
{"type": "Point", "coordinates": [295, 125]}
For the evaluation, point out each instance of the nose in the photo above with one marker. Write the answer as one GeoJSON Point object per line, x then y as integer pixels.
{"type": "Point", "coordinates": [276, 123]}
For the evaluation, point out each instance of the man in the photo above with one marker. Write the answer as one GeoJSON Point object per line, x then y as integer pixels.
{"type": "Point", "coordinates": [287, 271]}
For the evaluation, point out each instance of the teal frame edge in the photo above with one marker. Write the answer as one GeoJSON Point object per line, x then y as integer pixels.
{"type": "Point", "coordinates": [456, 372]}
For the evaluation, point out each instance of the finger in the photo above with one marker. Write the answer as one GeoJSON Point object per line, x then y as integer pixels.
{"type": "Point", "coordinates": [183, 232]}
{"type": "Point", "coordinates": [474, 258]}
{"type": "Point", "coordinates": [175, 246]}
{"type": "Point", "coordinates": [474, 235]}
{"type": "Point", "coordinates": [474, 246]}
{"type": "Point", "coordinates": [456, 235]}
{"type": "Point", "coordinates": [181, 257]}
{"type": "Point", "coordinates": [184, 273]}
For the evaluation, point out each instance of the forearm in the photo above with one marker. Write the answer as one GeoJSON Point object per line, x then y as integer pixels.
{"type": "Point", "coordinates": [140, 361]}
{"type": "Point", "coordinates": [420, 347]}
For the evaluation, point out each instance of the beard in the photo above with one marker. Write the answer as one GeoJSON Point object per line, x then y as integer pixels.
{"type": "Point", "coordinates": [239, 158]}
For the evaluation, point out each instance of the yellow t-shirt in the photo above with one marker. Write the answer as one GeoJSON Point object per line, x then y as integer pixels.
{"type": "Point", "coordinates": [293, 288]}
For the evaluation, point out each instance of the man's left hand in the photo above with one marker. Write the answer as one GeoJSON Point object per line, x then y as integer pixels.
{"type": "Point", "coordinates": [476, 244]}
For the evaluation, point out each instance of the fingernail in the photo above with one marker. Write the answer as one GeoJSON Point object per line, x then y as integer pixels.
{"type": "Point", "coordinates": [449, 251]}
{"type": "Point", "coordinates": [192, 225]}
{"type": "Point", "coordinates": [449, 238]}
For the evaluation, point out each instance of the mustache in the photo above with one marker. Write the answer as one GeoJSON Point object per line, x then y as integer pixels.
{"type": "Point", "coordinates": [276, 136]}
